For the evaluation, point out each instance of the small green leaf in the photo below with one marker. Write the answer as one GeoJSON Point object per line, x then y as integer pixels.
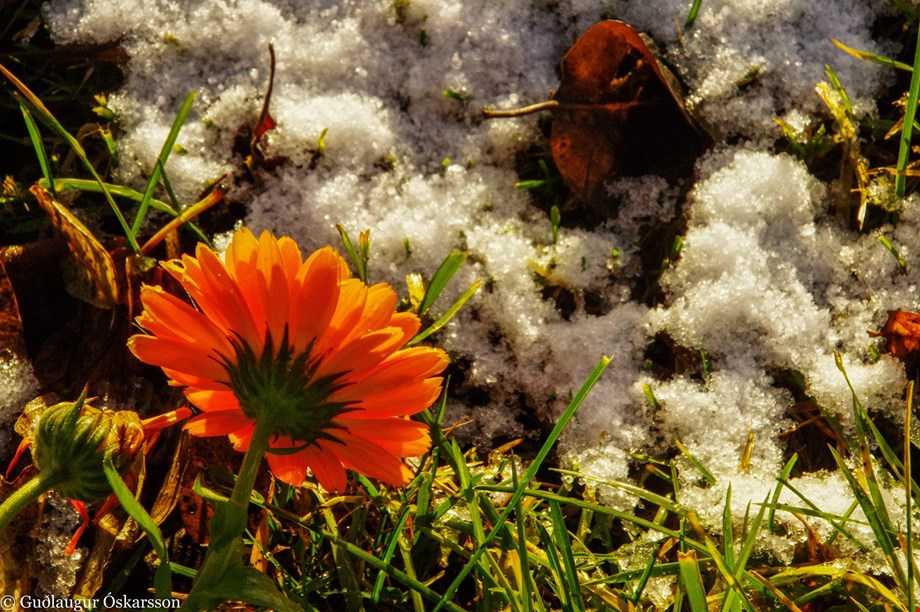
{"type": "Point", "coordinates": [446, 271]}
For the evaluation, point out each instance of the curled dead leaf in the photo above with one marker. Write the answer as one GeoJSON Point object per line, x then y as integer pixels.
{"type": "Point", "coordinates": [901, 332]}
{"type": "Point", "coordinates": [618, 112]}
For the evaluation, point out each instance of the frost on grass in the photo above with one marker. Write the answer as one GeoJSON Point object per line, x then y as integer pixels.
{"type": "Point", "coordinates": [767, 282]}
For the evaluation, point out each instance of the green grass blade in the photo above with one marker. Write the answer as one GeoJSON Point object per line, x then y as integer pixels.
{"type": "Point", "coordinates": [692, 581]}
{"type": "Point", "coordinates": [748, 547]}
{"type": "Point", "coordinates": [694, 11]}
{"type": "Point", "coordinates": [653, 498]}
{"type": "Point", "coordinates": [874, 506]}
{"type": "Point", "coordinates": [446, 271]}
{"type": "Point", "coordinates": [908, 499]}
{"type": "Point", "coordinates": [884, 537]}
{"type": "Point", "coordinates": [564, 545]}
{"type": "Point", "coordinates": [160, 164]}
{"type": "Point", "coordinates": [728, 536]}
{"type": "Point", "coordinates": [447, 316]}
{"type": "Point", "coordinates": [388, 553]}
{"type": "Point", "coordinates": [783, 476]}
{"type": "Point", "coordinates": [555, 566]}
{"type": "Point", "coordinates": [707, 475]}
{"type": "Point", "coordinates": [358, 254]}
{"type": "Point", "coordinates": [521, 518]}
{"type": "Point", "coordinates": [39, 146]}
{"type": "Point", "coordinates": [913, 94]}
{"type": "Point", "coordinates": [529, 475]}
{"type": "Point", "coordinates": [162, 579]}
{"type": "Point", "coordinates": [872, 57]}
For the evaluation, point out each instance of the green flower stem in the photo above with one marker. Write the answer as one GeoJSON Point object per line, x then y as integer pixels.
{"type": "Point", "coordinates": [29, 492]}
{"type": "Point", "coordinates": [228, 525]}
{"type": "Point", "coordinates": [249, 469]}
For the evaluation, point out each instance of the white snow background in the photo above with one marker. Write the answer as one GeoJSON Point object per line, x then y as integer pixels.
{"type": "Point", "coordinates": [768, 280]}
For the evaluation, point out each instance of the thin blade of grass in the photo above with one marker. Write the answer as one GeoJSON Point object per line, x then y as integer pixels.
{"type": "Point", "coordinates": [446, 271]}
{"type": "Point", "coordinates": [351, 586]}
{"type": "Point", "coordinates": [162, 579]}
{"type": "Point", "coordinates": [447, 316]}
{"type": "Point", "coordinates": [160, 164]}
{"type": "Point", "coordinates": [692, 580]}
{"type": "Point", "coordinates": [783, 476]}
{"type": "Point", "coordinates": [388, 553]}
{"type": "Point", "coordinates": [874, 506]}
{"type": "Point", "coordinates": [728, 537]}
{"type": "Point", "coordinates": [891, 457]}
{"type": "Point", "coordinates": [520, 518]}
{"type": "Point", "coordinates": [908, 498]}
{"type": "Point", "coordinates": [603, 510]}
{"type": "Point", "coordinates": [883, 536]}
{"type": "Point", "coordinates": [391, 571]}
{"type": "Point", "coordinates": [735, 597]}
{"type": "Point", "coordinates": [659, 500]}
{"type": "Point", "coordinates": [122, 192]}
{"type": "Point", "coordinates": [694, 11]}
{"type": "Point", "coordinates": [872, 57]}
{"type": "Point", "coordinates": [913, 94]}
{"type": "Point", "coordinates": [707, 475]}
{"type": "Point", "coordinates": [554, 564]}
{"type": "Point", "coordinates": [810, 572]}
{"type": "Point", "coordinates": [529, 475]}
{"type": "Point", "coordinates": [748, 547]}
{"type": "Point", "coordinates": [39, 147]}
{"type": "Point", "coordinates": [184, 217]}
{"type": "Point", "coordinates": [564, 545]}
{"type": "Point", "coordinates": [358, 254]}
{"type": "Point", "coordinates": [790, 605]}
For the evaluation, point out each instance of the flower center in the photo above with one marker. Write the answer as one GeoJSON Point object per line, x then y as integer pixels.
{"type": "Point", "coordinates": [280, 388]}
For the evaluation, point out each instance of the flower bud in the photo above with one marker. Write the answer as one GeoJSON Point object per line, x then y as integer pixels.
{"type": "Point", "coordinates": [73, 438]}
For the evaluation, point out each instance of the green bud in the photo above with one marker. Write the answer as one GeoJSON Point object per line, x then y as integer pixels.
{"type": "Point", "coordinates": [73, 439]}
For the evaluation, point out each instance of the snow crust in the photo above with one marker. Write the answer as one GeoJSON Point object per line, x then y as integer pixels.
{"type": "Point", "coordinates": [768, 280]}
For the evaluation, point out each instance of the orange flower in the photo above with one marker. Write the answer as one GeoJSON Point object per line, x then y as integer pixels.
{"type": "Point", "coordinates": [297, 344]}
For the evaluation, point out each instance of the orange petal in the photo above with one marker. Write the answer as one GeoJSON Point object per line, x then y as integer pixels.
{"type": "Point", "coordinates": [161, 421]}
{"type": "Point", "coordinates": [212, 401]}
{"type": "Point", "coordinates": [403, 400]}
{"type": "Point", "coordinates": [273, 285]}
{"type": "Point", "coordinates": [407, 321]}
{"type": "Point", "coordinates": [220, 423]}
{"type": "Point", "coordinates": [370, 459]}
{"type": "Point", "coordinates": [352, 297]}
{"type": "Point", "coordinates": [177, 355]}
{"type": "Point", "coordinates": [363, 353]}
{"type": "Point", "coordinates": [242, 437]}
{"type": "Point", "coordinates": [326, 468]}
{"type": "Point", "coordinates": [222, 299]}
{"type": "Point", "coordinates": [402, 368]}
{"type": "Point", "coordinates": [292, 468]}
{"type": "Point", "coordinates": [400, 437]}
{"type": "Point", "coordinates": [167, 316]}
{"type": "Point", "coordinates": [290, 256]}
{"type": "Point", "coordinates": [314, 297]}
{"type": "Point", "coordinates": [378, 310]}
